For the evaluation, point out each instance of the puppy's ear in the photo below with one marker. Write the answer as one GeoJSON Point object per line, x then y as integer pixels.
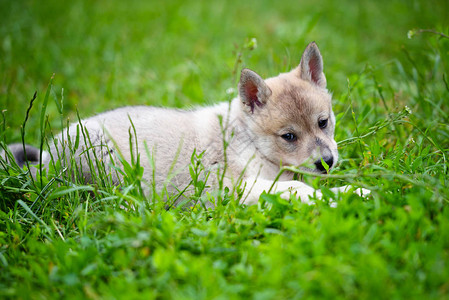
{"type": "Point", "coordinates": [311, 66]}
{"type": "Point", "coordinates": [253, 90]}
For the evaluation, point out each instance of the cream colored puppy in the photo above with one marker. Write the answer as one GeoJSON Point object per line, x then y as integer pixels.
{"type": "Point", "coordinates": [285, 120]}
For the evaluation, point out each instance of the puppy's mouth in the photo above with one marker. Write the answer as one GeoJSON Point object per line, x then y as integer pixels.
{"type": "Point", "coordinates": [312, 170]}
{"type": "Point", "coordinates": [323, 165]}
{"type": "Point", "coordinates": [316, 167]}
{"type": "Point", "coordinates": [317, 171]}
{"type": "Point", "coordinates": [321, 171]}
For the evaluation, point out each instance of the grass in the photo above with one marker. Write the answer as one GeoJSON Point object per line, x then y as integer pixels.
{"type": "Point", "coordinates": [63, 239]}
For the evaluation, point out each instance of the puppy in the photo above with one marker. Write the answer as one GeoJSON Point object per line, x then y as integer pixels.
{"type": "Point", "coordinates": [285, 120]}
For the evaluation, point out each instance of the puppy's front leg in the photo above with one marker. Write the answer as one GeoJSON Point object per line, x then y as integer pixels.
{"type": "Point", "coordinates": [255, 187]}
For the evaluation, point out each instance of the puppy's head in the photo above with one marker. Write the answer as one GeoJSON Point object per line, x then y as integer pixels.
{"type": "Point", "coordinates": [290, 116]}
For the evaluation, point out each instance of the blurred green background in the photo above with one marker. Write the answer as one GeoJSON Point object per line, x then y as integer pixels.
{"type": "Point", "coordinates": [106, 54]}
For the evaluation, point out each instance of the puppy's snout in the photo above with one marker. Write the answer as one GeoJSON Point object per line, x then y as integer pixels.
{"type": "Point", "coordinates": [319, 165]}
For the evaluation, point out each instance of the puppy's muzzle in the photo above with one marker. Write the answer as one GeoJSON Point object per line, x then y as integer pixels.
{"type": "Point", "coordinates": [319, 165]}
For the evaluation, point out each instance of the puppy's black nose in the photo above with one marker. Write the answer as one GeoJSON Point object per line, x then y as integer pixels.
{"type": "Point", "coordinates": [328, 160]}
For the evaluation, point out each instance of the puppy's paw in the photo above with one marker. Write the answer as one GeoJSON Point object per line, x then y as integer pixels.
{"type": "Point", "coordinates": [362, 192]}
{"type": "Point", "coordinates": [299, 190]}
{"type": "Point", "coordinates": [300, 194]}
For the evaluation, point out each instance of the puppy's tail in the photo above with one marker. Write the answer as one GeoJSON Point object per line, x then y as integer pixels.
{"type": "Point", "coordinates": [21, 155]}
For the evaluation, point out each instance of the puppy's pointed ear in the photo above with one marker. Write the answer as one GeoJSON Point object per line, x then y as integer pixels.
{"type": "Point", "coordinates": [253, 90]}
{"type": "Point", "coordinates": [311, 66]}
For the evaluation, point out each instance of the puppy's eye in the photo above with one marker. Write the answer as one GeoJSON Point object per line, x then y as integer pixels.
{"type": "Point", "coordinates": [322, 123]}
{"type": "Point", "coordinates": [289, 137]}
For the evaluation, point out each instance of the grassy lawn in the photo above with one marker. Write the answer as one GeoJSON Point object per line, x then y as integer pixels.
{"type": "Point", "coordinates": [390, 83]}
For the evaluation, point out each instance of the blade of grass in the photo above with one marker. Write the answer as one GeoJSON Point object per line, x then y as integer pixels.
{"type": "Point", "coordinates": [42, 124]}
{"type": "Point", "coordinates": [23, 133]}
{"type": "Point", "coordinates": [29, 211]}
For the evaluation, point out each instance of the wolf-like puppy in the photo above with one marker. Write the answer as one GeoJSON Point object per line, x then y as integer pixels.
{"type": "Point", "coordinates": [285, 120]}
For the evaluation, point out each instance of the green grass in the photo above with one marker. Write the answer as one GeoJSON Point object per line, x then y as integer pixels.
{"type": "Point", "coordinates": [63, 239]}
